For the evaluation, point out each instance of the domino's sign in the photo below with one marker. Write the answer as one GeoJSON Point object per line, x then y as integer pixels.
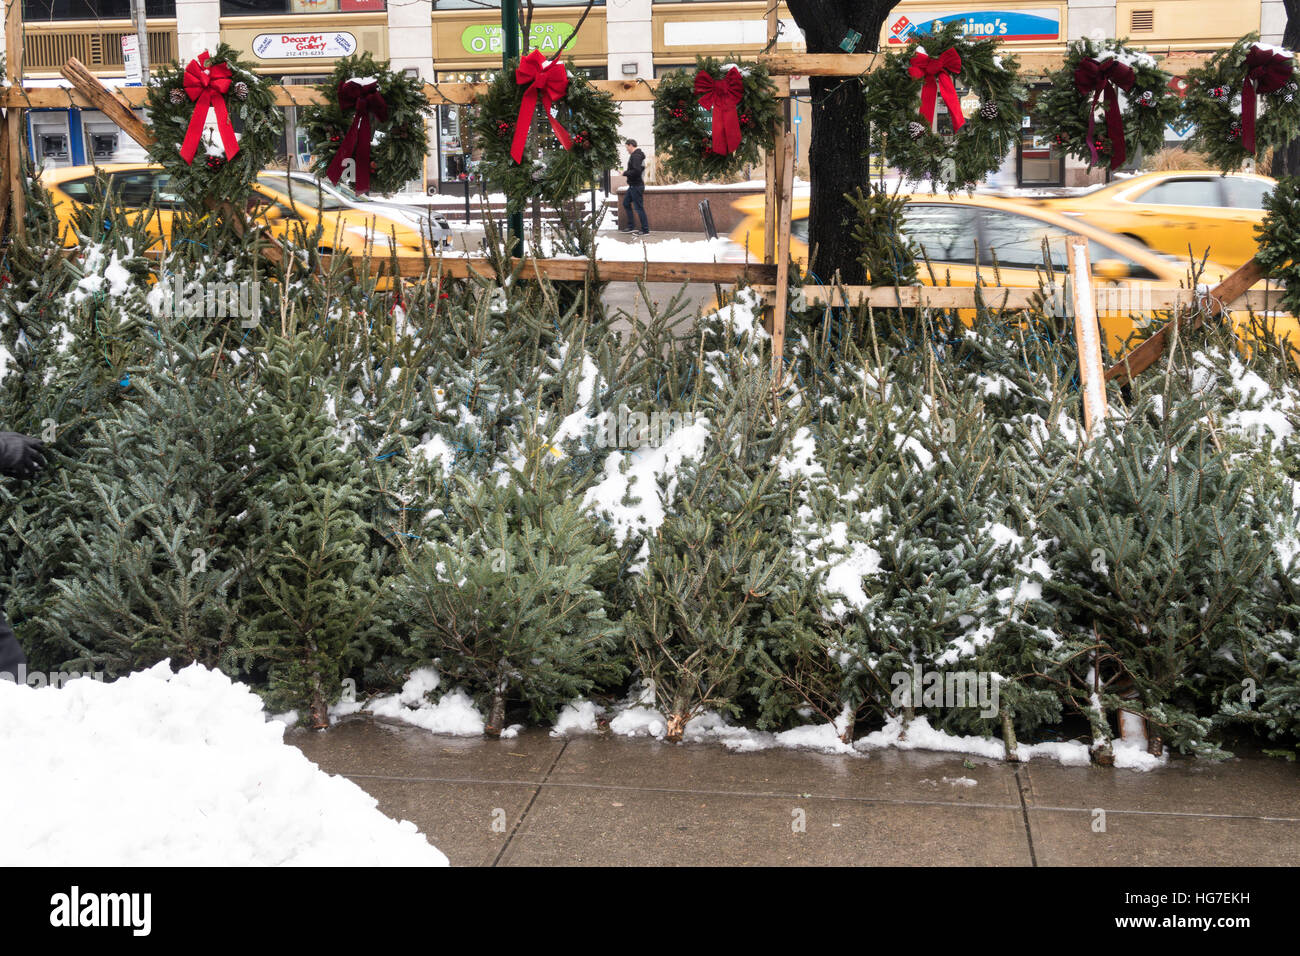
{"type": "Point", "coordinates": [1018, 25]}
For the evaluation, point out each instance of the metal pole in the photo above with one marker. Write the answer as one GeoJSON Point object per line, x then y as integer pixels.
{"type": "Point", "coordinates": [137, 13]}
{"type": "Point", "coordinates": [510, 51]}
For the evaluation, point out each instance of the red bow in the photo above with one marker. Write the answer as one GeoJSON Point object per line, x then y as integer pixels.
{"type": "Point", "coordinates": [722, 98]}
{"type": "Point", "coordinates": [206, 86]}
{"type": "Point", "coordinates": [1092, 76]}
{"type": "Point", "coordinates": [551, 80]}
{"type": "Point", "coordinates": [1266, 72]}
{"type": "Point", "coordinates": [364, 98]}
{"type": "Point", "coordinates": [938, 72]}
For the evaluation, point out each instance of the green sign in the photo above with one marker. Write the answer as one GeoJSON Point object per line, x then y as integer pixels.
{"type": "Point", "coordinates": [487, 39]}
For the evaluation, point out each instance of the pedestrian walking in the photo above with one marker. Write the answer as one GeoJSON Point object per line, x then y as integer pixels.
{"type": "Point", "coordinates": [634, 199]}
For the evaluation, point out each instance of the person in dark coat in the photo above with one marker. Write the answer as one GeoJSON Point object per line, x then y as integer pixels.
{"type": "Point", "coordinates": [634, 199]}
{"type": "Point", "coordinates": [20, 457]}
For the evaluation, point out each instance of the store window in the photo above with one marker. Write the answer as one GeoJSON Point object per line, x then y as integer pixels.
{"type": "Point", "coordinates": [457, 159]}
{"type": "Point", "coordinates": [496, 4]}
{"type": "Point", "coordinates": [1040, 162]}
{"type": "Point", "coordinates": [263, 8]}
{"type": "Point", "coordinates": [38, 10]}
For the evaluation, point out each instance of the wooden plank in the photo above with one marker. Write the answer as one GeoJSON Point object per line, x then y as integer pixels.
{"type": "Point", "coordinates": [102, 99]}
{"type": "Point", "coordinates": [571, 270]}
{"type": "Point", "coordinates": [623, 91]}
{"type": "Point", "coordinates": [1215, 303]}
{"type": "Point", "coordinates": [14, 120]}
{"type": "Point", "coordinates": [785, 200]}
{"type": "Point", "coordinates": [1087, 335]}
{"type": "Point", "coordinates": [4, 180]}
{"type": "Point", "coordinates": [1002, 297]}
{"type": "Point", "coordinates": [857, 64]}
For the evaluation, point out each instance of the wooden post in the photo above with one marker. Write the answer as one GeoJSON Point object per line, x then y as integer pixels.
{"type": "Point", "coordinates": [14, 115]}
{"type": "Point", "coordinates": [770, 162]}
{"type": "Point", "coordinates": [1087, 336]}
{"type": "Point", "coordinates": [785, 198]}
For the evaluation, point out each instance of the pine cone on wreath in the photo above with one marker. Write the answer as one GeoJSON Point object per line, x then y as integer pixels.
{"type": "Point", "coordinates": [176, 96]}
{"type": "Point", "coordinates": [989, 111]}
{"type": "Point", "coordinates": [241, 90]}
{"type": "Point", "coordinates": [1148, 98]}
{"type": "Point", "coordinates": [1234, 131]}
{"type": "Point", "coordinates": [915, 130]}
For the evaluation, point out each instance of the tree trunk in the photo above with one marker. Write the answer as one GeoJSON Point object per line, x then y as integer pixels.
{"type": "Point", "coordinates": [1009, 737]}
{"type": "Point", "coordinates": [838, 152]}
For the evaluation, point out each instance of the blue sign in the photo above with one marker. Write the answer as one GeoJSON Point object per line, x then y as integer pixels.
{"type": "Point", "coordinates": [1042, 24]}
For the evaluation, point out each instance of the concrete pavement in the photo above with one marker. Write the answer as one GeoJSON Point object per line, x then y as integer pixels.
{"type": "Point", "coordinates": [601, 800]}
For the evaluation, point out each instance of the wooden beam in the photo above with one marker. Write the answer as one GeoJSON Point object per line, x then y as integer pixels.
{"type": "Point", "coordinates": [101, 98]}
{"type": "Point", "coordinates": [4, 180]}
{"type": "Point", "coordinates": [770, 172]}
{"type": "Point", "coordinates": [14, 121]}
{"type": "Point", "coordinates": [1214, 304]}
{"type": "Point", "coordinates": [51, 97]}
{"type": "Point", "coordinates": [571, 270]}
{"type": "Point", "coordinates": [785, 199]}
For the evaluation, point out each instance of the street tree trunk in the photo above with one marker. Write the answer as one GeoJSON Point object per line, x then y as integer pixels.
{"type": "Point", "coordinates": [1286, 159]}
{"type": "Point", "coordinates": [838, 151]}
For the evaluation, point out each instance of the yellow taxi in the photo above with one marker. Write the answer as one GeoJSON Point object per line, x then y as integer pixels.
{"type": "Point", "coordinates": [291, 205]}
{"type": "Point", "coordinates": [962, 236]}
{"type": "Point", "coordinates": [1177, 209]}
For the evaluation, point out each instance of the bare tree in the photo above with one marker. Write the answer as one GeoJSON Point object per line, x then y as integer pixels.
{"type": "Point", "coordinates": [838, 152]}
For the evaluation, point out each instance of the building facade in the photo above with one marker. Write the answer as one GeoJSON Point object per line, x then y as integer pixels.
{"type": "Point", "coordinates": [298, 41]}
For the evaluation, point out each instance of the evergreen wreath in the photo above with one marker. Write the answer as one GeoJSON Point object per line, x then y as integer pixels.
{"type": "Point", "coordinates": [907, 87]}
{"type": "Point", "coordinates": [1103, 89]}
{"type": "Point", "coordinates": [687, 104]}
{"type": "Point", "coordinates": [236, 94]}
{"type": "Point", "coordinates": [1279, 241]}
{"type": "Point", "coordinates": [399, 143]}
{"type": "Point", "coordinates": [587, 116]}
{"type": "Point", "coordinates": [1216, 106]}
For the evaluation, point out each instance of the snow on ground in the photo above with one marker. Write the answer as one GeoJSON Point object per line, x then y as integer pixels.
{"type": "Point", "coordinates": [177, 769]}
{"type": "Point", "coordinates": [453, 714]}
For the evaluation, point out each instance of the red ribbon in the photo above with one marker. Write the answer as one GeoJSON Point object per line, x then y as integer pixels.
{"type": "Point", "coordinates": [551, 82]}
{"type": "Point", "coordinates": [207, 86]}
{"type": "Point", "coordinates": [938, 72]}
{"type": "Point", "coordinates": [722, 98]}
{"type": "Point", "coordinates": [365, 100]}
{"type": "Point", "coordinates": [1266, 72]}
{"type": "Point", "coordinates": [1092, 76]}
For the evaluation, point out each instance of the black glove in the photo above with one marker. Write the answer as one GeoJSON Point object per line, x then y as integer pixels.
{"type": "Point", "coordinates": [20, 456]}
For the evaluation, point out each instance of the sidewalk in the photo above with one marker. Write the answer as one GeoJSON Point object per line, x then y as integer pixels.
{"type": "Point", "coordinates": [594, 800]}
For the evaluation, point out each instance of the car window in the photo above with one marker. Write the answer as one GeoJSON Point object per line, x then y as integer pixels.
{"type": "Point", "coordinates": [1184, 192]}
{"type": "Point", "coordinates": [1242, 193]}
{"type": "Point", "coordinates": [136, 189]}
{"type": "Point", "coordinates": [1017, 243]}
{"type": "Point", "coordinates": [80, 190]}
{"type": "Point", "coordinates": [799, 229]}
{"type": "Point", "coordinates": [945, 232]}
{"type": "Point", "coordinates": [302, 192]}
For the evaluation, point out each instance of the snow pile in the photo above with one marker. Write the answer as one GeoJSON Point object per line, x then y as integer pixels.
{"type": "Point", "coordinates": [163, 769]}
{"type": "Point", "coordinates": [453, 714]}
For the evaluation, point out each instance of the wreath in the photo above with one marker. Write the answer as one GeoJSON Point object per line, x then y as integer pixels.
{"type": "Point", "coordinates": [219, 159]}
{"type": "Point", "coordinates": [372, 126]}
{"type": "Point", "coordinates": [902, 99]}
{"type": "Point", "coordinates": [712, 123]}
{"type": "Point", "coordinates": [1243, 101]}
{"type": "Point", "coordinates": [1279, 241]}
{"type": "Point", "coordinates": [572, 145]}
{"type": "Point", "coordinates": [1107, 102]}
